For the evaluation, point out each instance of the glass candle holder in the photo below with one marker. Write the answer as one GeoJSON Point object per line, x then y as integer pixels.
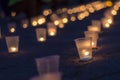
{"type": "Point", "coordinates": [94, 28]}
{"type": "Point", "coordinates": [84, 47]}
{"type": "Point", "coordinates": [52, 29]}
{"type": "Point", "coordinates": [12, 43]}
{"type": "Point", "coordinates": [94, 36]}
{"type": "Point", "coordinates": [49, 64]}
{"type": "Point", "coordinates": [12, 27]}
{"type": "Point", "coordinates": [41, 34]}
{"type": "Point", "coordinates": [25, 23]}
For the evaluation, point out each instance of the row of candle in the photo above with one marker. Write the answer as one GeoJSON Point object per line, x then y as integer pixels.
{"type": "Point", "coordinates": [82, 12]}
{"type": "Point", "coordinates": [85, 45]}
{"type": "Point", "coordinates": [52, 30]}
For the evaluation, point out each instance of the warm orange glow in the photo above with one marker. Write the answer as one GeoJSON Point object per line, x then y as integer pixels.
{"type": "Point", "coordinates": [41, 39]}
{"type": "Point", "coordinates": [93, 43]}
{"type": "Point", "coordinates": [47, 12]}
{"type": "Point", "coordinates": [110, 21]}
{"type": "Point", "coordinates": [91, 10]}
{"type": "Point", "coordinates": [107, 25]}
{"type": "Point", "coordinates": [86, 13]}
{"type": "Point", "coordinates": [25, 25]}
{"type": "Point", "coordinates": [56, 22]}
{"type": "Point", "coordinates": [13, 14]}
{"type": "Point", "coordinates": [52, 33]}
{"type": "Point", "coordinates": [82, 8]}
{"type": "Point", "coordinates": [81, 16]}
{"type": "Point", "coordinates": [114, 12]}
{"type": "Point", "coordinates": [85, 52]}
{"type": "Point", "coordinates": [41, 21]}
{"type": "Point", "coordinates": [61, 25]}
{"type": "Point", "coordinates": [69, 11]}
{"type": "Point", "coordinates": [65, 20]}
{"type": "Point", "coordinates": [73, 18]}
{"type": "Point", "coordinates": [34, 23]}
{"type": "Point", "coordinates": [116, 7]}
{"type": "Point", "coordinates": [12, 30]}
{"type": "Point", "coordinates": [13, 49]}
{"type": "Point", "coordinates": [64, 9]}
{"type": "Point", "coordinates": [109, 3]}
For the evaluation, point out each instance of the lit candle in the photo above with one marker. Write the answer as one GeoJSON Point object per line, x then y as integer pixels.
{"type": "Point", "coordinates": [12, 30]}
{"type": "Point", "coordinates": [41, 20]}
{"type": "Point", "coordinates": [34, 23]}
{"type": "Point", "coordinates": [94, 36]}
{"type": "Point", "coordinates": [25, 23]}
{"type": "Point", "coordinates": [41, 34]}
{"type": "Point", "coordinates": [41, 39]}
{"type": "Point", "coordinates": [85, 54]}
{"type": "Point", "coordinates": [84, 47]}
{"type": "Point", "coordinates": [56, 22]}
{"type": "Point", "coordinates": [13, 49]}
{"type": "Point", "coordinates": [12, 43]}
{"type": "Point", "coordinates": [51, 29]}
{"type": "Point", "coordinates": [65, 20]}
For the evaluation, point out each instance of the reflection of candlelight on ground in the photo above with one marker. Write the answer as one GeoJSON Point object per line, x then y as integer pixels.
{"type": "Point", "coordinates": [12, 30]}
{"type": "Point", "coordinates": [41, 39]}
{"type": "Point", "coordinates": [13, 49]}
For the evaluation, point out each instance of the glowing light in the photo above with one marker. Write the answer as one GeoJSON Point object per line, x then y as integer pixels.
{"type": "Point", "coordinates": [25, 25]}
{"type": "Point", "coordinates": [46, 13]}
{"type": "Point", "coordinates": [61, 25]}
{"type": "Point", "coordinates": [114, 12]}
{"type": "Point", "coordinates": [52, 33]}
{"type": "Point", "coordinates": [13, 14]}
{"type": "Point", "coordinates": [82, 8]}
{"type": "Point", "coordinates": [41, 21]}
{"type": "Point", "coordinates": [109, 3]}
{"type": "Point", "coordinates": [69, 11]}
{"type": "Point", "coordinates": [93, 43]}
{"type": "Point", "coordinates": [86, 13]}
{"type": "Point", "coordinates": [81, 16]}
{"type": "Point", "coordinates": [109, 21]}
{"type": "Point", "coordinates": [85, 52]}
{"type": "Point", "coordinates": [13, 49]}
{"type": "Point", "coordinates": [64, 20]}
{"type": "Point", "coordinates": [73, 18]}
{"type": "Point", "coordinates": [34, 23]}
{"type": "Point", "coordinates": [41, 39]}
{"type": "Point", "coordinates": [12, 30]}
{"type": "Point", "coordinates": [107, 25]}
{"type": "Point", "coordinates": [116, 7]}
{"type": "Point", "coordinates": [91, 10]}
{"type": "Point", "coordinates": [56, 22]}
